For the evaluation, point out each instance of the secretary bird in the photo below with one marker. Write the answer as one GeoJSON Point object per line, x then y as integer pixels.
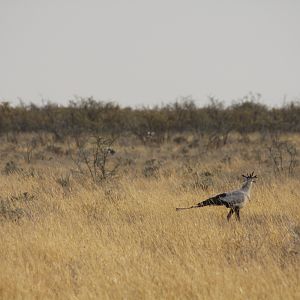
{"type": "Point", "coordinates": [234, 200]}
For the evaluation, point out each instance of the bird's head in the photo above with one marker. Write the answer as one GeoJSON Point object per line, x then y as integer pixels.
{"type": "Point", "coordinates": [250, 177]}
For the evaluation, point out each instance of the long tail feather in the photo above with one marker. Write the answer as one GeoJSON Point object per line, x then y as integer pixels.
{"type": "Point", "coordinates": [183, 208]}
{"type": "Point", "coordinates": [216, 200]}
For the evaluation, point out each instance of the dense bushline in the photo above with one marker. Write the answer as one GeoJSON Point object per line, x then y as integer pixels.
{"type": "Point", "coordinates": [89, 115]}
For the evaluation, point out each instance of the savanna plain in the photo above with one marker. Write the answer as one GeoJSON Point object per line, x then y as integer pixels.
{"type": "Point", "coordinates": [94, 218]}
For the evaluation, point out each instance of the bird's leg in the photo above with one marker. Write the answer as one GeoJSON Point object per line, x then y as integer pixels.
{"type": "Point", "coordinates": [230, 214]}
{"type": "Point", "coordinates": [237, 213]}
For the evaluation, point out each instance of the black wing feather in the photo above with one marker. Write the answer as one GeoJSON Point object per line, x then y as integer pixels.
{"type": "Point", "coordinates": [216, 200]}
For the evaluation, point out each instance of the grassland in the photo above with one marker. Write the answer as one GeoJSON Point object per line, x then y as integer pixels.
{"type": "Point", "coordinates": [65, 237]}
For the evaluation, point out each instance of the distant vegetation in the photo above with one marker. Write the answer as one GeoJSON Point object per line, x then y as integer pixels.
{"type": "Point", "coordinates": [88, 115]}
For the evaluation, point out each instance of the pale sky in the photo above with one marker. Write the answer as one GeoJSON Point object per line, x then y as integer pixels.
{"type": "Point", "coordinates": [149, 52]}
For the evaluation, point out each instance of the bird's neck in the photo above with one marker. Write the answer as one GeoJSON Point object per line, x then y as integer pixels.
{"type": "Point", "coordinates": [247, 186]}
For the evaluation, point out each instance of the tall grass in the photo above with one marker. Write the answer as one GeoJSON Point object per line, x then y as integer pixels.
{"type": "Point", "coordinates": [123, 239]}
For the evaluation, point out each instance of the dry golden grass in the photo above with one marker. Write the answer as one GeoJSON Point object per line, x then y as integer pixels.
{"type": "Point", "coordinates": [124, 240]}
